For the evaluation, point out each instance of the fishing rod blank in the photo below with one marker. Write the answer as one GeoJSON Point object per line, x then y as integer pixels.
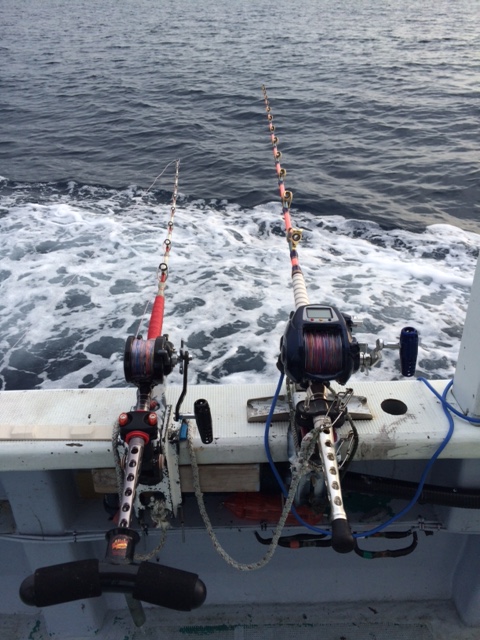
{"type": "Point", "coordinates": [317, 347]}
{"type": "Point", "coordinates": [156, 318]}
{"type": "Point", "coordinates": [147, 362]}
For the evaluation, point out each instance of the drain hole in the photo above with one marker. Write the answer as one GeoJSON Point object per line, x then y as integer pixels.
{"type": "Point", "coordinates": [394, 407]}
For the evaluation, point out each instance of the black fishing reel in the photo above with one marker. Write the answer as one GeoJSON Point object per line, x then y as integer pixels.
{"type": "Point", "coordinates": [147, 362]}
{"type": "Point", "coordinates": [318, 346]}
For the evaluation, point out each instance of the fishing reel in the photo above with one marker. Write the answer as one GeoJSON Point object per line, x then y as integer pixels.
{"type": "Point", "coordinates": [147, 362]}
{"type": "Point", "coordinates": [318, 346]}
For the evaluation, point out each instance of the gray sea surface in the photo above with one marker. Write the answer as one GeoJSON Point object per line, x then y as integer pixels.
{"type": "Point", "coordinates": [376, 106]}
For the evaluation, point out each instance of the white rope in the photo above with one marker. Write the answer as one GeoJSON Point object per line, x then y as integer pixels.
{"type": "Point", "coordinates": [252, 566]}
{"type": "Point", "coordinates": [159, 515]}
{"type": "Point", "coordinates": [117, 460]}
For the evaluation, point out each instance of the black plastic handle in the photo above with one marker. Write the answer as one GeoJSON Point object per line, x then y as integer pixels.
{"type": "Point", "coordinates": [408, 350]}
{"type": "Point", "coordinates": [150, 582]}
{"type": "Point", "coordinates": [342, 538]}
{"type": "Point", "coordinates": [169, 587]}
{"type": "Point", "coordinates": [62, 583]}
{"type": "Point", "coordinates": [203, 417]}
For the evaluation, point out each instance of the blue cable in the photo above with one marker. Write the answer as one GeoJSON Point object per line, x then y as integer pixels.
{"type": "Point", "coordinates": [426, 470]}
{"type": "Point", "coordinates": [272, 464]}
{"type": "Point", "coordinates": [449, 406]}
{"type": "Point", "coordinates": [446, 409]}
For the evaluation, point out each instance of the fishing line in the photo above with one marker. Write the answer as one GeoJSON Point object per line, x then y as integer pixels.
{"type": "Point", "coordinates": [156, 317]}
{"type": "Point", "coordinates": [142, 318]}
{"type": "Point", "coordinates": [323, 352]}
{"type": "Point", "coordinates": [160, 175]}
{"type": "Point", "coordinates": [143, 357]}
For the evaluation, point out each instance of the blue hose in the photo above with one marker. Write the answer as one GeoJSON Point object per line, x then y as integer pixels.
{"type": "Point", "coordinates": [447, 408]}
{"type": "Point", "coordinates": [272, 464]}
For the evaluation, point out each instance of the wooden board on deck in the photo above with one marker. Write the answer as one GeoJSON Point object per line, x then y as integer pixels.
{"type": "Point", "coordinates": [214, 478]}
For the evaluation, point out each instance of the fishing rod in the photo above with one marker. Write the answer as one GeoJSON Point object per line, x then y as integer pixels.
{"type": "Point", "coordinates": [147, 362]}
{"type": "Point", "coordinates": [293, 236]}
{"type": "Point", "coordinates": [149, 466]}
{"type": "Point", "coordinates": [317, 347]}
{"type": "Point", "coordinates": [156, 318]}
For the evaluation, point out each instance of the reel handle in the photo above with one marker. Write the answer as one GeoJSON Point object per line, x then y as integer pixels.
{"type": "Point", "coordinates": [149, 582]}
{"type": "Point", "coordinates": [203, 418]}
{"type": "Point", "coordinates": [62, 583]}
{"type": "Point", "coordinates": [408, 350]}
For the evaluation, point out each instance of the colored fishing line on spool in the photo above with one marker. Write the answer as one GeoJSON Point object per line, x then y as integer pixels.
{"type": "Point", "coordinates": [323, 352]}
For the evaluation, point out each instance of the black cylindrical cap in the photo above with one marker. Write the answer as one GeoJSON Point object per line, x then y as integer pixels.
{"type": "Point", "coordinates": [342, 539]}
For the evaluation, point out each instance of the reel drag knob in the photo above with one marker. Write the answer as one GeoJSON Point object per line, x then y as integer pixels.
{"type": "Point", "coordinates": [203, 417]}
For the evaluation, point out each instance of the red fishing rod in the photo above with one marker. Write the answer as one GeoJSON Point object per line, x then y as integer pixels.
{"type": "Point", "coordinates": [147, 362]}
{"type": "Point", "coordinates": [156, 318]}
{"type": "Point", "coordinates": [142, 432]}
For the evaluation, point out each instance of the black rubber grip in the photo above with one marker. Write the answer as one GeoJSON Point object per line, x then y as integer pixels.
{"type": "Point", "coordinates": [342, 539]}
{"type": "Point", "coordinates": [169, 587]}
{"type": "Point", "coordinates": [62, 583]}
{"type": "Point", "coordinates": [203, 417]}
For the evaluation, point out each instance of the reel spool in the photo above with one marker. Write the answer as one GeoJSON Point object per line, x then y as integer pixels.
{"type": "Point", "coordinates": [147, 362]}
{"type": "Point", "coordinates": [318, 346]}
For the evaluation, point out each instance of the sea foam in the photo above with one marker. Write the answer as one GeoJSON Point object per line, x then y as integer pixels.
{"type": "Point", "coordinates": [78, 276]}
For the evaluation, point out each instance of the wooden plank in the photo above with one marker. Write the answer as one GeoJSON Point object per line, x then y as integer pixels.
{"type": "Point", "coordinates": [222, 478]}
{"type": "Point", "coordinates": [214, 478]}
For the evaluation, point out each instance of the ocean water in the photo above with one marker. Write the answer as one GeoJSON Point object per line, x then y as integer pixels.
{"type": "Point", "coordinates": [376, 106]}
